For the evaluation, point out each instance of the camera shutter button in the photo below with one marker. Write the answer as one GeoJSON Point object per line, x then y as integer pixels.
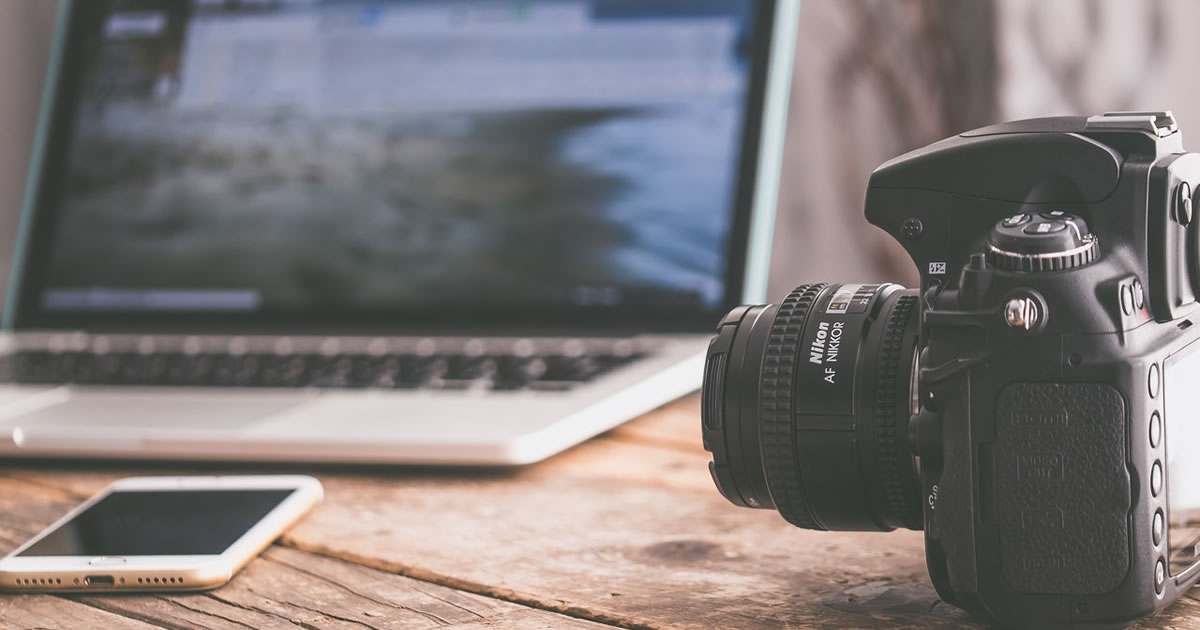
{"type": "Point", "coordinates": [1045, 227]}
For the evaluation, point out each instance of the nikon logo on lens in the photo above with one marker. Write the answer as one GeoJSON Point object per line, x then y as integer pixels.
{"type": "Point", "coordinates": [806, 407]}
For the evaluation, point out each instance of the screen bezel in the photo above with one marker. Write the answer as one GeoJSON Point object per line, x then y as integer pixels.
{"type": "Point", "coordinates": [81, 20]}
{"type": "Point", "coordinates": [305, 492]}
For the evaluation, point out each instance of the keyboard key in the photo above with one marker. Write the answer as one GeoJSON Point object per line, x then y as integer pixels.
{"type": "Point", "coordinates": [397, 371]}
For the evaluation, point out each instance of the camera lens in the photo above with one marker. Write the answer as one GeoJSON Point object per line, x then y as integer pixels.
{"type": "Point", "coordinates": [806, 406]}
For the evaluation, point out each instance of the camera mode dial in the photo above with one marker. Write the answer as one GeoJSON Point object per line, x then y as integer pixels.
{"type": "Point", "coordinates": [1041, 241]}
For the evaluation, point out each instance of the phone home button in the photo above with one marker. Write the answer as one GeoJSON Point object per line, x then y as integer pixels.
{"type": "Point", "coordinates": [107, 561]}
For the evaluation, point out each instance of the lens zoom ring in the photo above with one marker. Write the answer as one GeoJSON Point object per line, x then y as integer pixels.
{"type": "Point", "coordinates": [888, 406]}
{"type": "Point", "coordinates": [776, 414]}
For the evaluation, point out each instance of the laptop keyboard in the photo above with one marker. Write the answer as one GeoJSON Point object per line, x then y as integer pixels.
{"type": "Point", "coordinates": [551, 372]}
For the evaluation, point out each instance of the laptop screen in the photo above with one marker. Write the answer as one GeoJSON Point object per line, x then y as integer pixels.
{"type": "Point", "coordinates": [398, 161]}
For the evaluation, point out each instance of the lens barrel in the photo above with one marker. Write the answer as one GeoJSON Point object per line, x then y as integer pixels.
{"type": "Point", "coordinates": [806, 406]}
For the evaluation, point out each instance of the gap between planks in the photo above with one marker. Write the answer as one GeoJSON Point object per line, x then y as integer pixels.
{"type": "Point", "coordinates": [469, 586]}
{"type": "Point", "coordinates": [149, 608]}
{"type": "Point", "coordinates": [625, 458]}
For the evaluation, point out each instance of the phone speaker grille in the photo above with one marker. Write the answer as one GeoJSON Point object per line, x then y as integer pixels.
{"type": "Point", "coordinates": [160, 581]}
{"type": "Point", "coordinates": [39, 582]}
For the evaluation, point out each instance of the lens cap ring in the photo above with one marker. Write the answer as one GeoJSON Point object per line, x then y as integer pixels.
{"type": "Point", "coordinates": [776, 413]}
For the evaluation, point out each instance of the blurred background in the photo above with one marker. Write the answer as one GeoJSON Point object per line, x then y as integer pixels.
{"type": "Point", "coordinates": [873, 78]}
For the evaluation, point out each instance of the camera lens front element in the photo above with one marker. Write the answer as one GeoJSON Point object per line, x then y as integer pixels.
{"type": "Point", "coordinates": [806, 407]}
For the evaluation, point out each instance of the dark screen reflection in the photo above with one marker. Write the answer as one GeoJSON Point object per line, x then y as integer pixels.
{"type": "Point", "coordinates": [160, 523]}
{"type": "Point", "coordinates": [1183, 467]}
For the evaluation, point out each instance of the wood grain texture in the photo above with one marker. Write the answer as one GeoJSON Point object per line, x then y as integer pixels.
{"type": "Point", "coordinates": [638, 555]}
{"type": "Point", "coordinates": [1184, 614]}
{"type": "Point", "coordinates": [284, 589]}
{"type": "Point", "coordinates": [675, 426]}
{"type": "Point", "coordinates": [27, 612]}
{"type": "Point", "coordinates": [26, 508]}
{"type": "Point", "coordinates": [289, 589]}
{"type": "Point", "coordinates": [621, 534]}
{"type": "Point", "coordinates": [625, 530]}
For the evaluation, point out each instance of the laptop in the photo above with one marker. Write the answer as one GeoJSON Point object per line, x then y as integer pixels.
{"type": "Point", "coordinates": [392, 232]}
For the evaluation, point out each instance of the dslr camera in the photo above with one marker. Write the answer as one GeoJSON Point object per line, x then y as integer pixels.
{"type": "Point", "coordinates": [1030, 407]}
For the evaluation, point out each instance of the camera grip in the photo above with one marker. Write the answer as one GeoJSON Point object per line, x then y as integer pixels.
{"type": "Point", "coordinates": [1062, 487]}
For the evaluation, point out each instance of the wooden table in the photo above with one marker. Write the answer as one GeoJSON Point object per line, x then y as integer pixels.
{"type": "Point", "coordinates": [624, 531]}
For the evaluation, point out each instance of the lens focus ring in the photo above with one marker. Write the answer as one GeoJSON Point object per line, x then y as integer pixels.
{"type": "Point", "coordinates": [778, 443]}
{"type": "Point", "coordinates": [890, 402]}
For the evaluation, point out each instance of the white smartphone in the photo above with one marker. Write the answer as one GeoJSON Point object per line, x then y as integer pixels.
{"type": "Point", "coordinates": [161, 534]}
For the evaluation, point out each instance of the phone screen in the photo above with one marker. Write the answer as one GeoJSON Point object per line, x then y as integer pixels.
{"type": "Point", "coordinates": [160, 523]}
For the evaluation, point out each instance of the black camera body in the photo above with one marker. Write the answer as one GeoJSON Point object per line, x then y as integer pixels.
{"type": "Point", "coordinates": [1029, 407]}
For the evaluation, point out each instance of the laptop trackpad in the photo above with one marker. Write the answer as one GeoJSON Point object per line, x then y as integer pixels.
{"type": "Point", "coordinates": [148, 412]}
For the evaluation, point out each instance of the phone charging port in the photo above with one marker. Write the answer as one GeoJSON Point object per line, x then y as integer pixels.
{"type": "Point", "coordinates": [99, 580]}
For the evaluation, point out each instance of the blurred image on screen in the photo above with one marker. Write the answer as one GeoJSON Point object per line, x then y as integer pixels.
{"type": "Point", "coordinates": [288, 154]}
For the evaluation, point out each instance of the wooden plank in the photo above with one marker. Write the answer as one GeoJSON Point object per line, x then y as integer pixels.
{"type": "Point", "coordinates": [606, 548]}
{"type": "Point", "coordinates": [675, 425]}
{"type": "Point", "coordinates": [622, 463]}
{"type": "Point", "coordinates": [22, 612]}
{"type": "Point", "coordinates": [24, 510]}
{"type": "Point", "coordinates": [529, 619]}
{"type": "Point", "coordinates": [637, 555]}
{"type": "Point", "coordinates": [292, 590]}
{"type": "Point", "coordinates": [624, 530]}
{"type": "Point", "coordinates": [285, 589]}
{"type": "Point", "coordinates": [1184, 614]}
